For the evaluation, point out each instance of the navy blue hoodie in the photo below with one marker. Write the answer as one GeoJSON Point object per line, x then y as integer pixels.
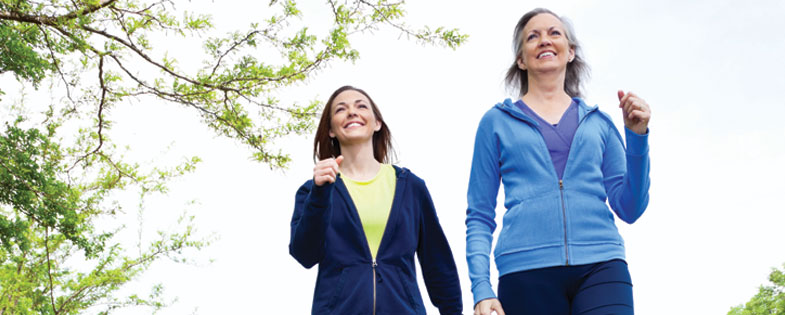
{"type": "Point", "coordinates": [326, 229]}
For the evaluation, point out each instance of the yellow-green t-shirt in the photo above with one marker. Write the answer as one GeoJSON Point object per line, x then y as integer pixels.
{"type": "Point", "coordinates": [373, 200]}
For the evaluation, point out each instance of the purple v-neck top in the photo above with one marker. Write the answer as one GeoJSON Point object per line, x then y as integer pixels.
{"type": "Point", "coordinates": [558, 137]}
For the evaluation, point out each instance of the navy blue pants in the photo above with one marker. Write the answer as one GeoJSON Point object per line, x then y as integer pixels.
{"type": "Point", "coordinates": [601, 288]}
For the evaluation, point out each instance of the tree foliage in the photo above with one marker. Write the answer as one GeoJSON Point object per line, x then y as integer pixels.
{"type": "Point", "coordinates": [60, 169]}
{"type": "Point", "coordinates": [769, 300]}
{"type": "Point", "coordinates": [232, 91]}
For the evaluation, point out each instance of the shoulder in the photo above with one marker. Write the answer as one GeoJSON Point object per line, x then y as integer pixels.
{"type": "Point", "coordinates": [412, 180]}
{"type": "Point", "coordinates": [606, 125]}
{"type": "Point", "coordinates": [496, 112]}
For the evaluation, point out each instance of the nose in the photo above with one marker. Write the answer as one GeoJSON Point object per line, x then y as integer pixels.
{"type": "Point", "coordinates": [351, 111]}
{"type": "Point", "coordinates": [545, 41]}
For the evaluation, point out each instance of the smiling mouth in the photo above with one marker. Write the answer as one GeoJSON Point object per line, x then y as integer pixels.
{"type": "Point", "coordinates": [546, 54]}
{"type": "Point", "coordinates": [353, 124]}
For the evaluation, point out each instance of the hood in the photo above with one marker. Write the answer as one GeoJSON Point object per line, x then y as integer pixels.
{"type": "Point", "coordinates": [508, 106]}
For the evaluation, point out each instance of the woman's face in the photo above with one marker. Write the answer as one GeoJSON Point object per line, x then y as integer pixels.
{"type": "Point", "coordinates": [353, 120]}
{"type": "Point", "coordinates": [545, 46]}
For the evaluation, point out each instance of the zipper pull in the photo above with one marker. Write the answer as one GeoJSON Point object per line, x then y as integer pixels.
{"type": "Point", "coordinates": [376, 272]}
{"type": "Point", "coordinates": [561, 185]}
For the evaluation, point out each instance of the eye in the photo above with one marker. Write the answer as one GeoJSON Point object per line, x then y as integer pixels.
{"type": "Point", "coordinates": [555, 33]}
{"type": "Point", "coordinates": [530, 37]}
{"type": "Point", "coordinates": [339, 109]}
{"type": "Point", "coordinates": [362, 106]}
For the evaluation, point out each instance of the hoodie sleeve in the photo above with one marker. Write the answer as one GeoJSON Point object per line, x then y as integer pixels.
{"type": "Point", "coordinates": [309, 223]}
{"type": "Point", "coordinates": [481, 212]}
{"type": "Point", "coordinates": [436, 260]}
{"type": "Point", "coordinates": [626, 173]}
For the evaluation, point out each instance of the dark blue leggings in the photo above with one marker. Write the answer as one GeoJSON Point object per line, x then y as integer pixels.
{"type": "Point", "coordinates": [594, 289]}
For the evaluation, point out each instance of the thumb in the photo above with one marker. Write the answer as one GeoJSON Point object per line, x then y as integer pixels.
{"type": "Point", "coordinates": [339, 159]}
{"type": "Point", "coordinates": [620, 93]}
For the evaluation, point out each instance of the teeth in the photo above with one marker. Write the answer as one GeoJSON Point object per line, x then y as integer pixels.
{"type": "Point", "coordinates": [352, 125]}
{"type": "Point", "coordinates": [545, 54]}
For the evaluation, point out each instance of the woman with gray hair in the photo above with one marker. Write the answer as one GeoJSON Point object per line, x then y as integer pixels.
{"type": "Point", "coordinates": [559, 251]}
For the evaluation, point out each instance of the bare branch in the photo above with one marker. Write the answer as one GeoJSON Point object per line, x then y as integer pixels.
{"type": "Point", "coordinates": [56, 62]}
{"type": "Point", "coordinates": [100, 113]}
{"type": "Point", "coordinates": [400, 27]}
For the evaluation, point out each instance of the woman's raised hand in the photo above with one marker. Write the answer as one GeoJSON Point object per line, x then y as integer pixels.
{"type": "Point", "coordinates": [326, 170]}
{"type": "Point", "coordinates": [636, 112]}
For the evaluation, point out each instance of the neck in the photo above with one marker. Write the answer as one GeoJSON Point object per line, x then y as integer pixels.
{"type": "Point", "coordinates": [546, 90]}
{"type": "Point", "coordinates": [358, 161]}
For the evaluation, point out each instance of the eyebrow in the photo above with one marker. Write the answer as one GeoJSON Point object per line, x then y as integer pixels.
{"type": "Point", "coordinates": [355, 101]}
{"type": "Point", "coordinates": [549, 28]}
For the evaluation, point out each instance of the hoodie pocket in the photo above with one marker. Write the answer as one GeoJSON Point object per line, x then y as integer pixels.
{"type": "Point", "coordinates": [337, 289]}
{"type": "Point", "coordinates": [407, 288]}
{"type": "Point", "coordinates": [532, 224]}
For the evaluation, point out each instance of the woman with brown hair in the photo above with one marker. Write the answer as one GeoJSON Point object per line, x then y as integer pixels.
{"type": "Point", "coordinates": [363, 219]}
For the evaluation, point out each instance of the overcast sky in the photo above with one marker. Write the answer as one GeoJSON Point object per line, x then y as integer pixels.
{"type": "Point", "coordinates": [712, 72]}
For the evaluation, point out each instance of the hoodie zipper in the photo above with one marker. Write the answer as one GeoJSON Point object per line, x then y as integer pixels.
{"type": "Point", "coordinates": [373, 265]}
{"type": "Point", "coordinates": [561, 190]}
{"type": "Point", "coordinates": [564, 218]}
{"type": "Point", "coordinates": [376, 277]}
{"type": "Point", "coordinates": [561, 182]}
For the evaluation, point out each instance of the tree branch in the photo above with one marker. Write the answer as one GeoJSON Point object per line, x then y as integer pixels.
{"type": "Point", "coordinates": [234, 46]}
{"type": "Point", "coordinates": [51, 20]}
{"type": "Point", "coordinates": [55, 61]}
{"type": "Point", "coordinates": [100, 113]}
{"type": "Point", "coordinates": [89, 9]}
{"type": "Point", "coordinates": [49, 271]}
{"type": "Point", "coordinates": [151, 61]}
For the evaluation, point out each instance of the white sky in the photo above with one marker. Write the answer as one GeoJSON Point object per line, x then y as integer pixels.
{"type": "Point", "coordinates": [712, 72]}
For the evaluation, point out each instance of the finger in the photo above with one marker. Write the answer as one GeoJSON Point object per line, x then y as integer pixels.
{"type": "Point", "coordinates": [482, 309]}
{"type": "Point", "coordinates": [339, 159]}
{"type": "Point", "coordinates": [636, 99]}
{"type": "Point", "coordinates": [628, 106]}
{"type": "Point", "coordinates": [499, 310]}
{"type": "Point", "coordinates": [334, 167]}
{"type": "Point", "coordinates": [636, 104]}
{"type": "Point", "coordinates": [322, 163]}
{"type": "Point", "coordinates": [486, 308]}
{"type": "Point", "coordinates": [620, 93]}
{"type": "Point", "coordinates": [327, 163]}
{"type": "Point", "coordinates": [322, 179]}
{"type": "Point", "coordinates": [639, 114]}
{"type": "Point", "coordinates": [624, 100]}
{"type": "Point", "coordinates": [328, 178]}
{"type": "Point", "coordinates": [325, 171]}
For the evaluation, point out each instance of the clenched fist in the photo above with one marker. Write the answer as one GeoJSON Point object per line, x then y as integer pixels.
{"type": "Point", "coordinates": [326, 170]}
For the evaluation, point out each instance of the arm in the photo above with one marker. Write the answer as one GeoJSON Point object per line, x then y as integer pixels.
{"type": "Point", "coordinates": [436, 260]}
{"type": "Point", "coordinates": [309, 223]}
{"type": "Point", "coordinates": [626, 174]}
{"type": "Point", "coordinates": [481, 211]}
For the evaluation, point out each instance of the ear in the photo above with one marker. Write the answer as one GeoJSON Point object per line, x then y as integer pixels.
{"type": "Point", "coordinates": [520, 63]}
{"type": "Point", "coordinates": [378, 125]}
{"type": "Point", "coordinates": [331, 133]}
{"type": "Point", "coordinates": [572, 54]}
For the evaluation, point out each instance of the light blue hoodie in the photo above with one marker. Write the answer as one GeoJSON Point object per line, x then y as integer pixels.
{"type": "Point", "coordinates": [550, 222]}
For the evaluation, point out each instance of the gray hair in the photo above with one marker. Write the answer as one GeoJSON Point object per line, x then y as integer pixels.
{"type": "Point", "coordinates": [577, 70]}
